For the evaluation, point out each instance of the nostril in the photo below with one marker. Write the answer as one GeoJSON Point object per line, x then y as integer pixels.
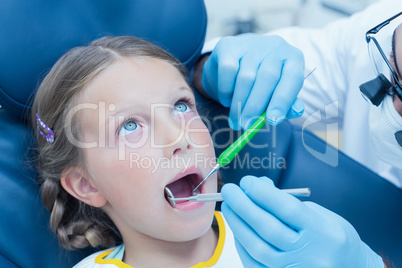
{"type": "Point", "coordinates": [176, 151]}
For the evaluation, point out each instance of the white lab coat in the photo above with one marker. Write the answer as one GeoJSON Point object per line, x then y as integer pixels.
{"type": "Point", "coordinates": [339, 51]}
{"type": "Point", "coordinates": [340, 54]}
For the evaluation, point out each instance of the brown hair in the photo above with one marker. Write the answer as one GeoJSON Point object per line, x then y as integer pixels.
{"type": "Point", "coordinates": [76, 224]}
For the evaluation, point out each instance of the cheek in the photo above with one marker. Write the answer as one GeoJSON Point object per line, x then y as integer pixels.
{"type": "Point", "coordinates": [135, 139]}
{"type": "Point", "coordinates": [197, 133]}
{"type": "Point", "coordinates": [111, 173]}
{"type": "Point", "coordinates": [125, 184]}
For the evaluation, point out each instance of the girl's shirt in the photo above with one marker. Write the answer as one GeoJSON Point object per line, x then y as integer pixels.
{"type": "Point", "coordinates": [225, 254]}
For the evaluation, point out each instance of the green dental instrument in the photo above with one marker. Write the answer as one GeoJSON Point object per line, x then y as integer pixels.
{"type": "Point", "coordinates": [230, 153]}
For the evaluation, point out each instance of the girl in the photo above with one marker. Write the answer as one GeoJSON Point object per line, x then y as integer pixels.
{"type": "Point", "coordinates": [116, 124]}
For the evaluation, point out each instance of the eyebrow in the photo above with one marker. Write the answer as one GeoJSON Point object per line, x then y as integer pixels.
{"type": "Point", "coordinates": [124, 111]}
{"type": "Point", "coordinates": [394, 54]}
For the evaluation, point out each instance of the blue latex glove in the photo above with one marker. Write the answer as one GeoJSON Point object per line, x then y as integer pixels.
{"type": "Point", "coordinates": [275, 229]}
{"type": "Point", "coordinates": [252, 73]}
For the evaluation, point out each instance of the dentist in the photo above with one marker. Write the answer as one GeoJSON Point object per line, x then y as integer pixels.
{"type": "Point", "coordinates": [287, 232]}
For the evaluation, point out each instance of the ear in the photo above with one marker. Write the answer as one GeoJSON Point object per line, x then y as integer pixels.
{"type": "Point", "coordinates": [75, 181]}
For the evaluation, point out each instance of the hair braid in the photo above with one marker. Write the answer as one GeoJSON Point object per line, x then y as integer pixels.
{"type": "Point", "coordinates": [75, 234]}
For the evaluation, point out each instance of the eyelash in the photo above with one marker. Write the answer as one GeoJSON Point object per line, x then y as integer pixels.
{"type": "Point", "coordinates": [185, 100]}
{"type": "Point", "coordinates": [130, 118]}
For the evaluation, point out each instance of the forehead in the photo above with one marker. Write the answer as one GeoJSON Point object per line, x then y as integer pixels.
{"type": "Point", "coordinates": [134, 79]}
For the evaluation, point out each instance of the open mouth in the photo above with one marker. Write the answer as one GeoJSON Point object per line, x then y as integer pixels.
{"type": "Point", "coordinates": [184, 187]}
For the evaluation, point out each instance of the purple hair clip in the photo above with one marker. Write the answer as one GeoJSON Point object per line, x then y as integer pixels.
{"type": "Point", "coordinates": [50, 135]}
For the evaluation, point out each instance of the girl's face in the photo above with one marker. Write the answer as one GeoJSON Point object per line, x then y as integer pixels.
{"type": "Point", "coordinates": [139, 119]}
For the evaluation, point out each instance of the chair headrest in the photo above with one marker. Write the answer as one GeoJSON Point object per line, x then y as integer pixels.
{"type": "Point", "coordinates": [36, 33]}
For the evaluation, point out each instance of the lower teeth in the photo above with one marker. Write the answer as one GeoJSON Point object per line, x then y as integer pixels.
{"type": "Point", "coordinates": [196, 192]}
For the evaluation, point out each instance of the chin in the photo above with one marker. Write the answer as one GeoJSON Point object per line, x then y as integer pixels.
{"type": "Point", "coordinates": [196, 226]}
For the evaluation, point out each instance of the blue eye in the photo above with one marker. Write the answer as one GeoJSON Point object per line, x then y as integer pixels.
{"type": "Point", "coordinates": [181, 107]}
{"type": "Point", "coordinates": [128, 128]}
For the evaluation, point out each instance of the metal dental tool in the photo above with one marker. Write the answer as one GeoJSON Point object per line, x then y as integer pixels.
{"type": "Point", "coordinates": [230, 153]}
{"type": "Point", "coordinates": [216, 197]}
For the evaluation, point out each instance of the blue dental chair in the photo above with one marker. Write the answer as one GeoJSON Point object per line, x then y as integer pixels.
{"type": "Point", "coordinates": [36, 33]}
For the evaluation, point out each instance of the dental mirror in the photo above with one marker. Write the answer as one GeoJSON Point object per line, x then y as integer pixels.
{"type": "Point", "coordinates": [216, 197]}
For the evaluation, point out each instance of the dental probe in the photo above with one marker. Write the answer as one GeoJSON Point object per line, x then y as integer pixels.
{"type": "Point", "coordinates": [230, 153]}
{"type": "Point", "coordinates": [297, 192]}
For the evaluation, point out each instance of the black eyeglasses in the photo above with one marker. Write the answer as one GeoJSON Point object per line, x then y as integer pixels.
{"type": "Point", "coordinates": [382, 85]}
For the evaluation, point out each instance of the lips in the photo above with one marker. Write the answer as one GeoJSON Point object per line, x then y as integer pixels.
{"type": "Point", "coordinates": [184, 184]}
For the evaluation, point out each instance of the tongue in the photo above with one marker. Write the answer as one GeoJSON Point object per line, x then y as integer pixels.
{"type": "Point", "coordinates": [181, 188]}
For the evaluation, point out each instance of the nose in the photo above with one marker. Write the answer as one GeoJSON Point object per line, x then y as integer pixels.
{"type": "Point", "coordinates": [177, 151]}
{"type": "Point", "coordinates": [171, 136]}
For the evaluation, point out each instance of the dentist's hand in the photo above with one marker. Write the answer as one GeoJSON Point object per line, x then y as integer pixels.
{"type": "Point", "coordinates": [275, 229]}
{"type": "Point", "coordinates": [252, 73]}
